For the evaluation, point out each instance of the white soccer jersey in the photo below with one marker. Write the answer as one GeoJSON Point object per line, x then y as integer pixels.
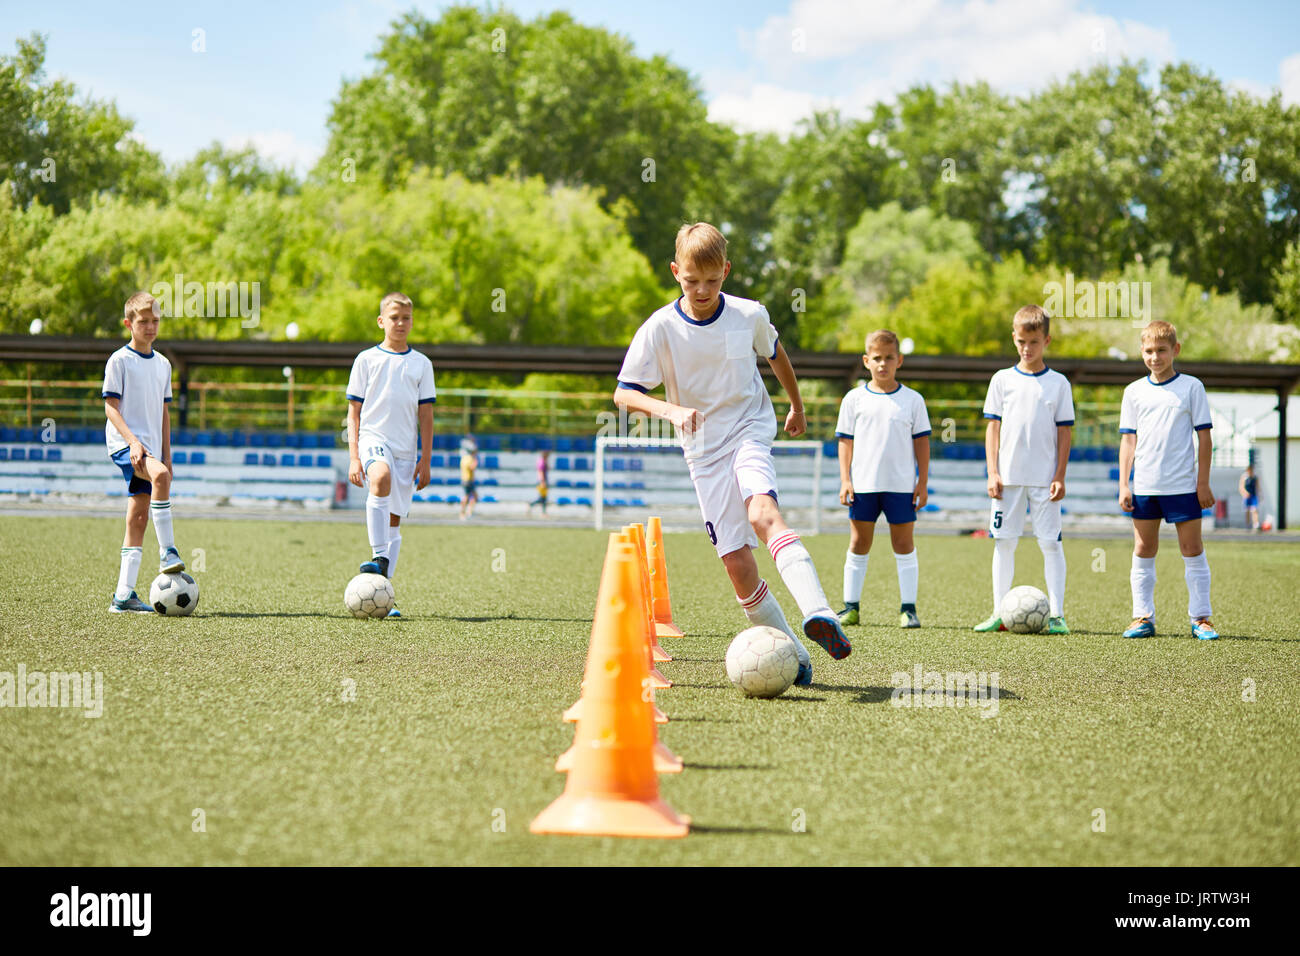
{"type": "Point", "coordinates": [882, 426]}
{"type": "Point", "coordinates": [390, 387]}
{"type": "Point", "coordinates": [1030, 405]}
{"type": "Point", "coordinates": [144, 385]}
{"type": "Point", "coordinates": [711, 366]}
{"type": "Point", "coordinates": [1165, 416]}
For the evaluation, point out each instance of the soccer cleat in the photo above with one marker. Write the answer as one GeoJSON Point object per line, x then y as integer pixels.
{"type": "Point", "coordinates": [848, 616]}
{"type": "Point", "coordinates": [825, 629]}
{"type": "Point", "coordinates": [804, 677]}
{"type": "Point", "coordinates": [376, 565]}
{"type": "Point", "coordinates": [1203, 630]}
{"type": "Point", "coordinates": [132, 603]}
{"type": "Point", "coordinates": [992, 624]}
{"type": "Point", "coordinates": [1141, 627]}
{"type": "Point", "coordinates": [908, 619]}
{"type": "Point", "coordinates": [394, 612]}
{"type": "Point", "coordinates": [171, 562]}
{"type": "Point", "coordinates": [1057, 625]}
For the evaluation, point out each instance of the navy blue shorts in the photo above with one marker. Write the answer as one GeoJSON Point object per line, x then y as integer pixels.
{"type": "Point", "coordinates": [135, 485]}
{"type": "Point", "coordinates": [897, 506]}
{"type": "Point", "coordinates": [1175, 509]}
{"type": "Point", "coordinates": [1252, 501]}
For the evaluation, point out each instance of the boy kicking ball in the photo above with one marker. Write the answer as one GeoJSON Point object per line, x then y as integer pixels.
{"type": "Point", "coordinates": [390, 395]}
{"type": "Point", "coordinates": [1158, 418]}
{"type": "Point", "coordinates": [884, 452]}
{"type": "Point", "coordinates": [703, 349]}
{"type": "Point", "coordinates": [137, 389]}
{"type": "Point", "coordinates": [1030, 410]}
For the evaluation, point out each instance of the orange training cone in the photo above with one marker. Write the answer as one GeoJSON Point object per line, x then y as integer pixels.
{"type": "Point", "coordinates": [612, 789]}
{"type": "Point", "coordinates": [658, 562]}
{"type": "Point", "coordinates": [657, 653]}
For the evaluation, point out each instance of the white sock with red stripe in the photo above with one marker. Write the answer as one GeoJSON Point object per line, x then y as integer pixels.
{"type": "Point", "coordinates": [799, 573]}
{"type": "Point", "coordinates": [763, 610]}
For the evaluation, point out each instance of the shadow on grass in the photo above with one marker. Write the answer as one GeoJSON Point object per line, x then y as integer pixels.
{"type": "Point", "coordinates": [341, 617]}
{"type": "Point", "coordinates": [882, 695]}
{"type": "Point", "coordinates": [678, 683]}
{"type": "Point", "coordinates": [728, 766]}
{"type": "Point", "coordinates": [702, 720]}
{"type": "Point", "coordinates": [705, 828]}
{"type": "Point", "coordinates": [509, 617]}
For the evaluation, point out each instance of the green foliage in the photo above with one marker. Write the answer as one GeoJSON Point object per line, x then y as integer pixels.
{"type": "Point", "coordinates": [1287, 278]}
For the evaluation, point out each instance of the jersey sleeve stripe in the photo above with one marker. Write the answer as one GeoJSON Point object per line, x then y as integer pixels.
{"type": "Point", "coordinates": [1067, 422]}
{"type": "Point", "coordinates": [112, 395]}
{"type": "Point", "coordinates": [635, 387]}
{"type": "Point", "coordinates": [922, 434]}
{"type": "Point", "coordinates": [844, 435]}
{"type": "Point", "coordinates": [996, 418]}
{"type": "Point", "coordinates": [167, 399]}
{"type": "Point", "coordinates": [1128, 431]}
{"type": "Point", "coordinates": [355, 398]}
{"type": "Point", "coordinates": [775, 346]}
{"type": "Point", "coordinates": [1201, 428]}
{"type": "Point", "coordinates": [424, 401]}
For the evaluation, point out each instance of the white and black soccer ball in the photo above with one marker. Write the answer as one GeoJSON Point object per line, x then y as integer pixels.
{"type": "Point", "coordinates": [1024, 610]}
{"type": "Point", "coordinates": [369, 595]}
{"type": "Point", "coordinates": [174, 594]}
{"type": "Point", "coordinates": [762, 662]}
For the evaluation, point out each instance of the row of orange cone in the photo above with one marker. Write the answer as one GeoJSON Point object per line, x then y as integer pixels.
{"type": "Point", "coordinates": [613, 787]}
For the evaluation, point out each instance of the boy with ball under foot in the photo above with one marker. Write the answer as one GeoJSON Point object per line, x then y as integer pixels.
{"type": "Point", "coordinates": [703, 349]}
{"type": "Point", "coordinates": [1030, 410]}
{"type": "Point", "coordinates": [137, 389]}
{"type": "Point", "coordinates": [1164, 425]}
{"type": "Point", "coordinates": [390, 395]}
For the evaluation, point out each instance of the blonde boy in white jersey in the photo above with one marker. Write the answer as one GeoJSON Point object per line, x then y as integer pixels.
{"type": "Point", "coordinates": [137, 389]}
{"type": "Point", "coordinates": [1158, 418]}
{"type": "Point", "coordinates": [1030, 410]}
{"type": "Point", "coordinates": [884, 451]}
{"type": "Point", "coordinates": [703, 349]}
{"type": "Point", "coordinates": [390, 393]}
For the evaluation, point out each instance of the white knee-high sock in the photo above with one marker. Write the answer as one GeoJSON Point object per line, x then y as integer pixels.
{"type": "Point", "coordinates": [394, 549]}
{"type": "Point", "coordinates": [1197, 574]}
{"type": "Point", "coordinates": [761, 609]}
{"type": "Point", "coordinates": [127, 573]}
{"type": "Point", "coordinates": [1004, 568]}
{"type": "Point", "coordinates": [377, 524]}
{"type": "Point", "coordinates": [1142, 578]}
{"type": "Point", "coordinates": [908, 573]}
{"type": "Point", "coordinates": [160, 513]}
{"type": "Point", "coordinates": [1054, 571]}
{"type": "Point", "coordinates": [799, 573]}
{"type": "Point", "coordinates": [855, 572]}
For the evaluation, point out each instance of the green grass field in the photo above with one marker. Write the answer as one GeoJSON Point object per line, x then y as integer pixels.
{"type": "Point", "coordinates": [239, 711]}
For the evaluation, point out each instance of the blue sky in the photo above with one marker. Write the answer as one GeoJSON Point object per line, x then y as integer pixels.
{"type": "Point", "coordinates": [269, 70]}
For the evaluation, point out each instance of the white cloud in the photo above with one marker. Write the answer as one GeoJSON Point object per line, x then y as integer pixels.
{"type": "Point", "coordinates": [877, 49]}
{"type": "Point", "coordinates": [279, 146]}
{"type": "Point", "coordinates": [1289, 73]}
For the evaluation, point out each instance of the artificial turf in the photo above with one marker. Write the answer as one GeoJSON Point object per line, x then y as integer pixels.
{"type": "Point", "coordinates": [445, 751]}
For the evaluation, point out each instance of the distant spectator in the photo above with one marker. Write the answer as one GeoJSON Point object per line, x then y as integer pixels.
{"type": "Point", "coordinates": [1249, 488]}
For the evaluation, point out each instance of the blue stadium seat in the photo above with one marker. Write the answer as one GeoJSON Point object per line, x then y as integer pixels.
{"type": "Point", "coordinates": [931, 507]}
{"type": "Point", "coordinates": [198, 458]}
{"type": "Point", "coordinates": [250, 458]}
{"type": "Point", "coordinates": [324, 461]}
{"type": "Point", "coordinates": [203, 438]}
{"type": "Point", "coordinates": [582, 484]}
{"type": "Point", "coordinates": [489, 498]}
{"type": "Point", "coordinates": [562, 464]}
{"type": "Point", "coordinates": [8, 434]}
{"type": "Point", "coordinates": [563, 501]}
{"type": "Point", "coordinates": [1114, 474]}
{"type": "Point", "coordinates": [617, 464]}
{"type": "Point", "coordinates": [268, 459]}
{"type": "Point", "coordinates": [437, 499]}
{"type": "Point", "coordinates": [56, 454]}
{"type": "Point", "coordinates": [638, 503]}
{"type": "Point", "coordinates": [1092, 454]}
{"type": "Point", "coordinates": [831, 449]}
{"type": "Point", "coordinates": [238, 439]}
{"type": "Point", "coordinates": [1110, 455]}
{"type": "Point", "coordinates": [1076, 454]}
{"type": "Point", "coordinates": [453, 461]}
{"type": "Point", "coordinates": [286, 461]}
{"type": "Point", "coordinates": [18, 454]}
{"type": "Point", "coordinates": [4, 454]}
{"type": "Point", "coordinates": [490, 481]}
{"type": "Point", "coordinates": [491, 461]}
{"type": "Point", "coordinates": [179, 458]}
{"type": "Point", "coordinates": [27, 434]}
{"type": "Point", "coordinates": [491, 443]}
{"type": "Point", "coordinates": [257, 440]}
{"type": "Point", "coordinates": [581, 464]}
{"type": "Point", "coordinates": [220, 440]}
{"type": "Point", "coordinates": [36, 454]}
{"type": "Point", "coordinates": [636, 464]}
{"type": "Point", "coordinates": [435, 480]}
{"type": "Point", "coordinates": [304, 461]}
{"type": "Point", "coordinates": [453, 499]}
{"type": "Point", "coordinates": [437, 461]}
{"type": "Point", "coordinates": [584, 501]}
{"type": "Point", "coordinates": [564, 444]}
{"type": "Point", "coordinates": [275, 440]}
{"type": "Point", "coordinates": [564, 483]}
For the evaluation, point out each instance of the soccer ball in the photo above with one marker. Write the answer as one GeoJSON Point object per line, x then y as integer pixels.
{"type": "Point", "coordinates": [762, 662]}
{"type": "Point", "coordinates": [369, 595]}
{"type": "Point", "coordinates": [1024, 610]}
{"type": "Point", "coordinates": [174, 594]}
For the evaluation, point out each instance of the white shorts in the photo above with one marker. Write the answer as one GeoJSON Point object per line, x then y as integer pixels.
{"type": "Point", "coordinates": [724, 485]}
{"type": "Point", "coordinates": [402, 470]}
{"type": "Point", "coordinates": [1007, 514]}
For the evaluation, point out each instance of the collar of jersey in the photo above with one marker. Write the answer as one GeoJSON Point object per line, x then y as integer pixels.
{"type": "Point", "coordinates": [391, 352]}
{"type": "Point", "coordinates": [139, 353]}
{"type": "Point", "coordinates": [1031, 374]}
{"type": "Point", "coordinates": [1165, 382]}
{"type": "Point", "coordinates": [722, 304]}
{"type": "Point", "coordinates": [867, 386]}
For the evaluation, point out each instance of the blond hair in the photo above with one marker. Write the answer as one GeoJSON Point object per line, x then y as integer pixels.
{"type": "Point", "coordinates": [1032, 318]}
{"type": "Point", "coordinates": [882, 335]}
{"type": "Point", "coordinates": [392, 297]}
{"type": "Point", "coordinates": [140, 302]}
{"type": "Point", "coordinates": [700, 244]}
{"type": "Point", "coordinates": [1160, 331]}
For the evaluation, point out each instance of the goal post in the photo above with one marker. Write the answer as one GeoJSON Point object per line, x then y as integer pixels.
{"type": "Point", "coordinates": [670, 477]}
